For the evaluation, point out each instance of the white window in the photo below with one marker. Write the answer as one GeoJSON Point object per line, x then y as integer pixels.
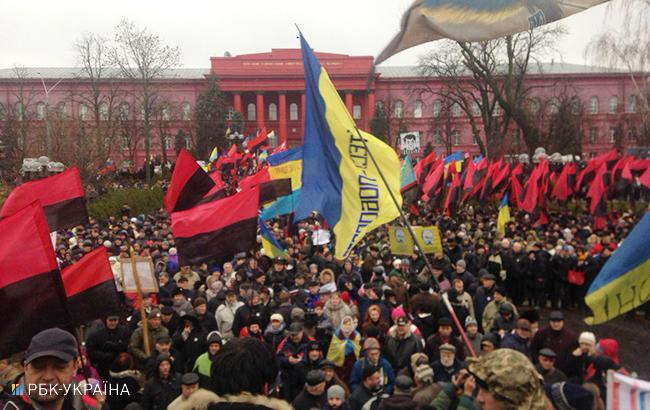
{"type": "Point", "coordinates": [83, 112]}
{"type": "Point", "coordinates": [593, 105]}
{"type": "Point", "coordinates": [575, 105]}
{"type": "Point", "coordinates": [534, 105]}
{"type": "Point", "coordinates": [125, 111]}
{"type": "Point", "coordinates": [417, 111]}
{"type": "Point", "coordinates": [356, 112]}
{"type": "Point", "coordinates": [497, 110]}
{"type": "Point", "coordinates": [293, 112]}
{"type": "Point", "coordinates": [187, 110]}
{"type": "Point", "coordinates": [455, 110]}
{"type": "Point", "coordinates": [188, 142]}
{"type": "Point", "coordinates": [399, 109]}
{"type": "Point", "coordinates": [273, 112]}
{"type": "Point", "coordinates": [476, 139]}
{"type": "Point", "coordinates": [166, 113]}
{"type": "Point", "coordinates": [555, 105]}
{"type": "Point", "coordinates": [252, 112]}
{"type": "Point", "coordinates": [455, 137]}
{"type": "Point", "coordinates": [41, 111]}
{"type": "Point", "coordinates": [613, 105]}
{"type": "Point", "coordinates": [593, 135]}
{"type": "Point", "coordinates": [437, 108]}
{"type": "Point", "coordinates": [612, 135]}
{"type": "Point", "coordinates": [437, 138]}
{"type": "Point", "coordinates": [103, 111]}
{"type": "Point", "coordinates": [631, 104]}
{"type": "Point", "coordinates": [168, 142]}
{"type": "Point", "coordinates": [476, 110]}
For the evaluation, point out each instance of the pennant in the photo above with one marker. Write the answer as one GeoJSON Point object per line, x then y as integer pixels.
{"type": "Point", "coordinates": [189, 184]}
{"type": "Point", "coordinates": [407, 175]}
{"type": "Point", "coordinates": [271, 246]}
{"type": "Point", "coordinates": [214, 155]}
{"type": "Point", "coordinates": [61, 196]}
{"type": "Point", "coordinates": [598, 195]}
{"type": "Point", "coordinates": [86, 283]}
{"type": "Point", "coordinates": [217, 230]}
{"type": "Point", "coordinates": [32, 296]}
{"type": "Point", "coordinates": [339, 179]}
{"type": "Point", "coordinates": [282, 206]}
{"type": "Point", "coordinates": [622, 283]}
{"type": "Point", "coordinates": [258, 141]}
{"type": "Point", "coordinates": [454, 194]}
{"type": "Point", "coordinates": [504, 215]}
{"type": "Point", "coordinates": [562, 189]}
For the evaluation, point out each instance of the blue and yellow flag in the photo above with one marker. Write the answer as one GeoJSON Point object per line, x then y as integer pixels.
{"type": "Point", "coordinates": [284, 205]}
{"type": "Point", "coordinates": [339, 180]}
{"type": "Point", "coordinates": [214, 155]}
{"type": "Point", "coordinates": [455, 158]}
{"type": "Point", "coordinates": [504, 215]}
{"type": "Point", "coordinates": [407, 174]}
{"type": "Point", "coordinates": [271, 246]}
{"type": "Point", "coordinates": [476, 20]}
{"type": "Point", "coordinates": [287, 164]}
{"type": "Point", "coordinates": [624, 282]}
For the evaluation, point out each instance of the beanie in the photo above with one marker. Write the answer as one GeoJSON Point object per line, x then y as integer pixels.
{"type": "Point", "coordinates": [587, 337]}
{"type": "Point", "coordinates": [424, 374]}
{"type": "Point", "coordinates": [336, 391]}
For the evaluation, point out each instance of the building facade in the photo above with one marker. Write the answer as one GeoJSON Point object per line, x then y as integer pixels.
{"type": "Point", "coordinates": [56, 110]}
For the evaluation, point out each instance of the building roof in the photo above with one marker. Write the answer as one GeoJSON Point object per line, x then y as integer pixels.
{"type": "Point", "coordinates": [36, 73]}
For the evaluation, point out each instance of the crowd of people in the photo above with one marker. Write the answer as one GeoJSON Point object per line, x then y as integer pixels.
{"type": "Point", "coordinates": [368, 332]}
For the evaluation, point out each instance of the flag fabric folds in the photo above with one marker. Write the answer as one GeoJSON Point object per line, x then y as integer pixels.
{"type": "Point", "coordinates": [475, 20]}
{"type": "Point", "coordinates": [214, 155]}
{"type": "Point", "coordinates": [504, 215]}
{"type": "Point", "coordinates": [258, 141]}
{"type": "Point", "coordinates": [598, 195]}
{"type": "Point", "coordinates": [61, 196]}
{"type": "Point", "coordinates": [32, 296]}
{"type": "Point", "coordinates": [271, 246]}
{"type": "Point", "coordinates": [217, 192]}
{"type": "Point", "coordinates": [339, 179]}
{"type": "Point", "coordinates": [217, 230]}
{"type": "Point", "coordinates": [407, 175]}
{"type": "Point", "coordinates": [282, 206]}
{"type": "Point", "coordinates": [622, 283]}
{"type": "Point", "coordinates": [454, 194]}
{"type": "Point", "coordinates": [88, 282]}
{"type": "Point", "coordinates": [189, 184]}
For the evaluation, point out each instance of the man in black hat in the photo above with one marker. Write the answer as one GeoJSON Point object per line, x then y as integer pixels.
{"type": "Point", "coordinates": [313, 394]}
{"type": "Point", "coordinates": [136, 343]}
{"type": "Point", "coordinates": [170, 319]}
{"type": "Point", "coordinates": [278, 274]}
{"type": "Point", "coordinates": [163, 346]}
{"type": "Point", "coordinates": [546, 367]}
{"type": "Point", "coordinates": [207, 320]}
{"type": "Point", "coordinates": [291, 352]}
{"type": "Point", "coordinates": [50, 366]}
{"type": "Point", "coordinates": [484, 295]}
{"type": "Point", "coordinates": [104, 344]}
{"type": "Point", "coordinates": [401, 344]}
{"type": "Point", "coordinates": [253, 307]}
{"type": "Point", "coordinates": [190, 341]}
{"type": "Point", "coordinates": [444, 335]}
{"type": "Point", "coordinates": [519, 339]}
{"type": "Point", "coordinates": [369, 389]}
{"type": "Point", "coordinates": [189, 384]}
{"type": "Point", "coordinates": [163, 387]}
{"type": "Point", "coordinates": [556, 337]}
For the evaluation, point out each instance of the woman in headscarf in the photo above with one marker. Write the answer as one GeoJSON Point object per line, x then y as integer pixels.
{"type": "Point", "coordinates": [336, 309]}
{"type": "Point", "coordinates": [344, 348]}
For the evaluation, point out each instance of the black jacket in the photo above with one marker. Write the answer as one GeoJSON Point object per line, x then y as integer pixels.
{"type": "Point", "coordinates": [307, 401]}
{"type": "Point", "coordinates": [359, 397]}
{"type": "Point", "coordinates": [399, 351]}
{"type": "Point", "coordinates": [103, 346]}
{"type": "Point", "coordinates": [158, 392]}
{"type": "Point", "coordinates": [245, 312]}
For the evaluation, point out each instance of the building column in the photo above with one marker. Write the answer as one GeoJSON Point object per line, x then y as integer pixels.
{"type": "Point", "coordinates": [282, 119]}
{"type": "Point", "coordinates": [370, 108]}
{"type": "Point", "coordinates": [303, 110]}
{"type": "Point", "coordinates": [348, 101]}
{"type": "Point", "coordinates": [236, 97]}
{"type": "Point", "coordinates": [259, 104]}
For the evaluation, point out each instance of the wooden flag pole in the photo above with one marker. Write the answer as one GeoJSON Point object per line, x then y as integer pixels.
{"type": "Point", "coordinates": [145, 322]}
{"type": "Point", "coordinates": [415, 241]}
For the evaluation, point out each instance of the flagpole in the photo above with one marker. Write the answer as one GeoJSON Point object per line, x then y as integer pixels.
{"type": "Point", "coordinates": [143, 318]}
{"type": "Point", "coordinates": [414, 237]}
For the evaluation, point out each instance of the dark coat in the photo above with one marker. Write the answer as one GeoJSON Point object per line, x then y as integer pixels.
{"type": "Point", "coordinates": [245, 312]}
{"type": "Point", "coordinates": [562, 343]}
{"type": "Point", "coordinates": [103, 346]}
{"type": "Point", "coordinates": [399, 351]}
{"type": "Point", "coordinates": [158, 393]}
{"type": "Point", "coordinates": [359, 397]}
{"type": "Point", "coordinates": [444, 374]}
{"type": "Point", "coordinates": [307, 401]}
{"type": "Point", "coordinates": [515, 342]}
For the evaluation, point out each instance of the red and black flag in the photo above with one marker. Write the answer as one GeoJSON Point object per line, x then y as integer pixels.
{"type": "Point", "coordinates": [274, 189]}
{"type": "Point", "coordinates": [189, 184]}
{"type": "Point", "coordinates": [32, 297]}
{"type": "Point", "coordinates": [516, 184]}
{"type": "Point", "coordinates": [621, 175]}
{"type": "Point", "coordinates": [454, 194]}
{"type": "Point", "coordinates": [588, 173]}
{"type": "Point", "coordinates": [260, 140]}
{"type": "Point", "coordinates": [598, 195]}
{"type": "Point", "coordinates": [563, 189]}
{"type": "Point", "coordinates": [468, 180]}
{"type": "Point", "coordinates": [421, 169]}
{"type": "Point", "coordinates": [433, 182]}
{"type": "Point", "coordinates": [500, 179]}
{"type": "Point", "coordinates": [217, 230]}
{"type": "Point", "coordinates": [217, 192]}
{"type": "Point", "coordinates": [61, 196]}
{"type": "Point", "coordinates": [90, 288]}
{"type": "Point", "coordinates": [488, 184]}
{"type": "Point", "coordinates": [529, 195]}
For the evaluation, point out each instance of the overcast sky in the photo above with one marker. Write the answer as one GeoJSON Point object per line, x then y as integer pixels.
{"type": "Point", "coordinates": [37, 33]}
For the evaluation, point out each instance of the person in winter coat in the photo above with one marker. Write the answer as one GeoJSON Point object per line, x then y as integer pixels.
{"type": "Point", "coordinates": [473, 336]}
{"type": "Point", "coordinates": [447, 366]}
{"type": "Point", "coordinates": [190, 342]}
{"type": "Point", "coordinates": [540, 273]}
{"type": "Point", "coordinates": [371, 355]}
{"type": "Point", "coordinates": [123, 376]}
{"type": "Point", "coordinates": [181, 305]}
{"type": "Point", "coordinates": [426, 389]}
{"type": "Point", "coordinates": [336, 399]}
{"type": "Point", "coordinates": [517, 268]}
{"type": "Point", "coordinates": [336, 309]}
{"type": "Point", "coordinates": [556, 337]}
{"type": "Point", "coordinates": [163, 387]}
{"type": "Point", "coordinates": [203, 364]}
{"type": "Point", "coordinates": [253, 307]}
{"type": "Point", "coordinates": [331, 378]}
{"type": "Point", "coordinates": [519, 339]}
{"type": "Point", "coordinates": [370, 388]}
{"type": "Point", "coordinates": [290, 353]}
{"type": "Point", "coordinates": [206, 320]}
{"type": "Point", "coordinates": [505, 321]}
{"type": "Point", "coordinates": [275, 331]}
{"type": "Point", "coordinates": [401, 344]}
{"type": "Point", "coordinates": [589, 363]}
{"type": "Point", "coordinates": [105, 344]}
{"type": "Point", "coordinates": [484, 295]}
{"type": "Point", "coordinates": [156, 330]}
{"type": "Point", "coordinates": [561, 264]}
{"type": "Point", "coordinates": [344, 348]}
{"type": "Point", "coordinates": [546, 367]}
{"type": "Point", "coordinates": [444, 336]}
{"type": "Point", "coordinates": [492, 308]}
{"type": "Point", "coordinates": [313, 395]}
{"type": "Point", "coordinates": [463, 297]}
{"type": "Point", "coordinates": [225, 315]}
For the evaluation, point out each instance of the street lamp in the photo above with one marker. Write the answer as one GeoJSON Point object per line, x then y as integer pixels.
{"type": "Point", "coordinates": [48, 131]}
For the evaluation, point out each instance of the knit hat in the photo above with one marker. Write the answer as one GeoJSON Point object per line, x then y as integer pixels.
{"type": "Point", "coordinates": [587, 337]}
{"type": "Point", "coordinates": [278, 317]}
{"type": "Point", "coordinates": [371, 343]}
{"type": "Point", "coordinates": [470, 321]}
{"type": "Point", "coordinates": [336, 391]}
{"type": "Point", "coordinates": [567, 396]}
{"type": "Point", "coordinates": [424, 374]}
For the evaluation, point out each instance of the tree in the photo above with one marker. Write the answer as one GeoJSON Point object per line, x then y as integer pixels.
{"type": "Point", "coordinates": [565, 132]}
{"type": "Point", "coordinates": [141, 57]}
{"type": "Point", "coordinates": [210, 115]}
{"type": "Point", "coordinates": [379, 126]}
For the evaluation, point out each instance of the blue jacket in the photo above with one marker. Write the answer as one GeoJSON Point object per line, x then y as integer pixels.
{"type": "Point", "coordinates": [388, 375]}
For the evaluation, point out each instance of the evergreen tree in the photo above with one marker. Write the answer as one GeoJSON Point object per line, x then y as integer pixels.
{"type": "Point", "coordinates": [210, 115]}
{"type": "Point", "coordinates": [379, 126]}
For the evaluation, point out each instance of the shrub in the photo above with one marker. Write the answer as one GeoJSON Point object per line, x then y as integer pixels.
{"type": "Point", "coordinates": [142, 201]}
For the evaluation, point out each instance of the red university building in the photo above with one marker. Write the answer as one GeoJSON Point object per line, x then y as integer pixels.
{"type": "Point", "coordinates": [268, 90]}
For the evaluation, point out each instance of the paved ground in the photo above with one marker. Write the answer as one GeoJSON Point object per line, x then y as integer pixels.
{"type": "Point", "coordinates": [632, 334]}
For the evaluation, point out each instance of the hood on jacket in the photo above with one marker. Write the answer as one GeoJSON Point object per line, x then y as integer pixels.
{"type": "Point", "coordinates": [202, 399]}
{"type": "Point", "coordinates": [610, 348]}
